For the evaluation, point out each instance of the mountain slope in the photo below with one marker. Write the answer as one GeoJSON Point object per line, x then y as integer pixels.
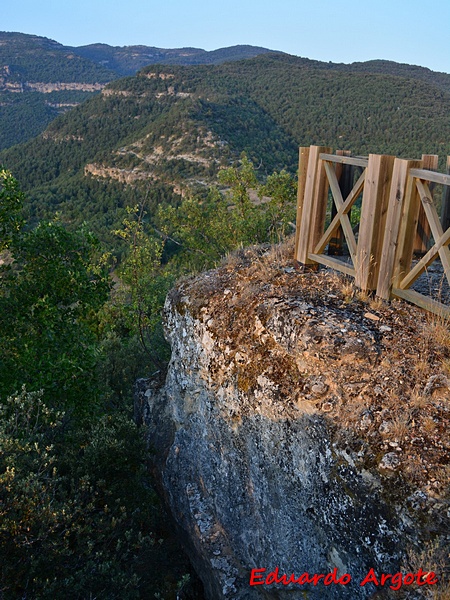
{"type": "Point", "coordinates": [169, 129]}
{"type": "Point", "coordinates": [387, 67]}
{"type": "Point", "coordinates": [127, 60]}
{"type": "Point", "coordinates": [33, 58]}
{"type": "Point", "coordinates": [40, 78]}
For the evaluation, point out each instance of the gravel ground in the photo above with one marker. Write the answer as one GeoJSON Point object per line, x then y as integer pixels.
{"type": "Point", "coordinates": [433, 283]}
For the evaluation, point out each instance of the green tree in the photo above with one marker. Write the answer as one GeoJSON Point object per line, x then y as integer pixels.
{"type": "Point", "coordinates": [76, 510]}
{"type": "Point", "coordinates": [78, 514]}
{"type": "Point", "coordinates": [240, 179]}
{"type": "Point", "coordinates": [11, 201]}
{"type": "Point", "coordinates": [143, 285]}
{"type": "Point", "coordinates": [49, 294]}
{"type": "Point", "coordinates": [280, 210]}
{"type": "Point", "coordinates": [246, 212]}
{"type": "Point", "coordinates": [202, 229]}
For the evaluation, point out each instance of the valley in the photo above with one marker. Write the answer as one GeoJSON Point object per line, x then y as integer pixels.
{"type": "Point", "coordinates": [166, 132]}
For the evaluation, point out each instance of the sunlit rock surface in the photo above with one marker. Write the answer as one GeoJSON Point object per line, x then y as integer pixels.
{"type": "Point", "coordinates": [287, 433]}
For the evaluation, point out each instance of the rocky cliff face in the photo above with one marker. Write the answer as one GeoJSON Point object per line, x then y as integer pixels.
{"type": "Point", "coordinates": [302, 428]}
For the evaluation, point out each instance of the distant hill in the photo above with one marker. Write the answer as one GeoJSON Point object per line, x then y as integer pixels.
{"type": "Point", "coordinates": [40, 78]}
{"type": "Point", "coordinates": [30, 58]}
{"type": "Point", "coordinates": [387, 67]}
{"type": "Point", "coordinates": [127, 60]}
{"type": "Point", "coordinates": [168, 130]}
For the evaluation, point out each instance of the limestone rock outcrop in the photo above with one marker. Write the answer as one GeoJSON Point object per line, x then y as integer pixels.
{"type": "Point", "coordinates": [294, 430]}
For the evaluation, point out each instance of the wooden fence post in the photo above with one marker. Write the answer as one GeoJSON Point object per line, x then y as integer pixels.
{"type": "Point", "coordinates": [373, 218]}
{"type": "Point", "coordinates": [303, 156]}
{"type": "Point", "coordinates": [445, 210]}
{"type": "Point", "coordinates": [405, 238]}
{"type": "Point", "coordinates": [314, 205]}
{"type": "Point", "coordinates": [396, 197]}
{"type": "Point", "coordinates": [422, 235]}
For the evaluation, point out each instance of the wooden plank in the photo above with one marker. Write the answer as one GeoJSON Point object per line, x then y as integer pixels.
{"type": "Point", "coordinates": [320, 205]}
{"type": "Point", "coordinates": [313, 190]}
{"type": "Point", "coordinates": [346, 160]}
{"type": "Point", "coordinates": [435, 225]}
{"type": "Point", "coordinates": [334, 184]}
{"type": "Point", "coordinates": [422, 301]}
{"type": "Point", "coordinates": [445, 213]}
{"type": "Point", "coordinates": [408, 225]}
{"type": "Point", "coordinates": [396, 196]}
{"type": "Point", "coordinates": [373, 218]}
{"type": "Point", "coordinates": [424, 262]}
{"type": "Point", "coordinates": [442, 178]}
{"type": "Point", "coordinates": [422, 236]}
{"type": "Point", "coordinates": [303, 156]}
{"type": "Point", "coordinates": [334, 263]}
{"type": "Point", "coordinates": [303, 235]}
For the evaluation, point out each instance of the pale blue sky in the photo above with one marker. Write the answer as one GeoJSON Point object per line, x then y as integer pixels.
{"type": "Point", "coordinates": [409, 31]}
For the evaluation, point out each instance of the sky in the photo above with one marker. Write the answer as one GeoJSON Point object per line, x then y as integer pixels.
{"type": "Point", "coordinates": [406, 31]}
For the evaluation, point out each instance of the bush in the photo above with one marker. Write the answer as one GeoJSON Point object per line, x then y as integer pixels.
{"type": "Point", "coordinates": [77, 510]}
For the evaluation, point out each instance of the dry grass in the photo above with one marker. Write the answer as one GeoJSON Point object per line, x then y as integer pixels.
{"type": "Point", "coordinates": [438, 328]}
{"type": "Point", "coordinates": [348, 291]}
{"type": "Point", "coordinates": [443, 476]}
{"type": "Point", "coordinates": [421, 367]}
{"type": "Point", "coordinates": [418, 400]}
{"type": "Point", "coordinates": [369, 391]}
{"type": "Point", "coordinates": [400, 427]}
{"type": "Point", "coordinates": [231, 259]}
{"type": "Point", "coordinates": [429, 425]}
{"type": "Point", "coordinates": [434, 556]}
{"type": "Point", "coordinates": [363, 296]}
{"type": "Point", "coordinates": [282, 252]}
{"type": "Point", "coordinates": [446, 366]}
{"type": "Point", "coordinates": [376, 303]}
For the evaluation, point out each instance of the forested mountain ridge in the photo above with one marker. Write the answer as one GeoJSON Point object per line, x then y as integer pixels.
{"type": "Point", "coordinates": [386, 67]}
{"type": "Point", "coordinates": [41, 78]}
{"type": "Point", "coordinates": [170, 128]}
{"type": "Point", "coordinates": [31, 58]}
{"type": "Point", "coordinates": [127, 60]}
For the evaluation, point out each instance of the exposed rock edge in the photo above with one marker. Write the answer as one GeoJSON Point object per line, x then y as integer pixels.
{"type": "Point", "coordinates": [271, 433]}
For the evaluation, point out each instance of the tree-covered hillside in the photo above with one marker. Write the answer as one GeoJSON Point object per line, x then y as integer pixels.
{"type": "Point", "coordinates": [40, 78]}
{"type": "Point", "coordinates": [29, 61]}
{"type": "Point", "coordinates": [31, 69]}
{"type": "Point", "coordinates": [388, 67]}
{"type": "Point", "coordinates": [34, 58]}
{"type": "Point", "coordinates": [126, 60]}
{"type": "Point", "coordinates": [169, 129]}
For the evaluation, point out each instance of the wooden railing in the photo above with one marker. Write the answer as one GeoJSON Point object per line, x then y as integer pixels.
{"type": "Point", "coordinates": [397, 218]}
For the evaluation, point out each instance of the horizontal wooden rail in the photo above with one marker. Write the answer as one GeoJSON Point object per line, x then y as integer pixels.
{"type": "Point", "coordinates": [432, 176]}
{"type": "Point", "coordinates": [333, 263]}
{"type": "Point", "coordinates": [423, 301]}
{"type": "Point", "coordinates": [357, 161]}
